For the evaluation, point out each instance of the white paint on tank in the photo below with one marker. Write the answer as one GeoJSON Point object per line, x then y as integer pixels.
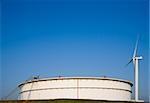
{"type": "Point", "coordinates": [76, 88]}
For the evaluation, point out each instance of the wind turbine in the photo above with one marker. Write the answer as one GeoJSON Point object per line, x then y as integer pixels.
{"type": "Point", "coordinates": [135, 59]}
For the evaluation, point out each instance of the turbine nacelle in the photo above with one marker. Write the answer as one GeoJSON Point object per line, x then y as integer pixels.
{"type": "Point", "coordinates": [137, 58]}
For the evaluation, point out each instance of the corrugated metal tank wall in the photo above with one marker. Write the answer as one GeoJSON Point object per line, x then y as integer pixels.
{"type": "Point", "coordinates": [76, 88]}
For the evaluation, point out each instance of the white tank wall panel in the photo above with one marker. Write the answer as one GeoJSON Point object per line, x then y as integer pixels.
{"type": "Point", "coordinates": [104, 84]}
{"type": "Point", "coordinates": [50, 84]}
{"type": "Point", "coordinates": [104, 94]}
{"type": "Point", "coordinates": [76, 88]}
{"type": "Point", "coordinates": [72, 83]}
{"type": "Point", "coordinates": [51, 94]}
{"type": "Point", "coordinates": [83, 94]}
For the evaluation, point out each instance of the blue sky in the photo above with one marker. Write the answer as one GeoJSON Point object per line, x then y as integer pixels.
{"type": "Point", "coordinates": [72, 38]}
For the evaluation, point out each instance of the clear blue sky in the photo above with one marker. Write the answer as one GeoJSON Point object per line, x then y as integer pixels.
{"type": "Point", "coordinates": [72, 38]}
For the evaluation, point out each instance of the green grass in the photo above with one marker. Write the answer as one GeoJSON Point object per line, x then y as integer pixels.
{"type": "Point", "coordinates": [63, 101]}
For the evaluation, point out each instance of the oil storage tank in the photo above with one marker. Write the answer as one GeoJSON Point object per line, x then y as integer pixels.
{"type": "Point", "coordinates": [99, 88]}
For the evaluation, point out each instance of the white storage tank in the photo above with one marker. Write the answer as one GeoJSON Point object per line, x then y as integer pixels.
{"type": "Point", "coordinates": [99, 88]}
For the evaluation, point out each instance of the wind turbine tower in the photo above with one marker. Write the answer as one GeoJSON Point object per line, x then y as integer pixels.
{"type": "Point", "coordinates": [135, 59]}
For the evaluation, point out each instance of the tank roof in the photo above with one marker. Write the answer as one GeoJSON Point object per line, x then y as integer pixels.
{"type": "Point", "coordinates": [64, 78]}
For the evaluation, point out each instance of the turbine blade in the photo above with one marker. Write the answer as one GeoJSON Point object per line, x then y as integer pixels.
{"type": "Point", "coordinates": [129, 62]}
{"type": "Point", "coordinates": [136, 45]}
